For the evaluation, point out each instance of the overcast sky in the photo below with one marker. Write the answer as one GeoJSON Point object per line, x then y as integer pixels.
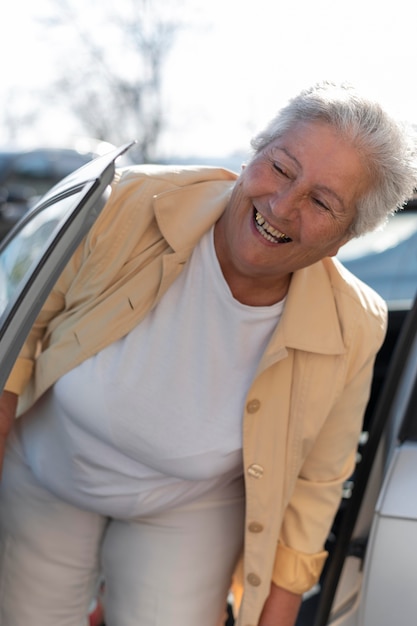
{"type": "Point", "coordinates": [241, 61]}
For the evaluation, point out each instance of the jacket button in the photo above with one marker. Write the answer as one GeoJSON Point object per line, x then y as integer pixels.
{"type": "Point", "coordinates": [255, 470]}
{"type": "Point", "coordinates": [253, 580]}
{"type": "Point", "coordinates": [253, 406]}
{"type": "Point", "coordinates": [255, 527]}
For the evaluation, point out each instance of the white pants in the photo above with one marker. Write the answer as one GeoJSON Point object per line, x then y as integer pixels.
{"type": "Point", "coordinates": [173, 569]}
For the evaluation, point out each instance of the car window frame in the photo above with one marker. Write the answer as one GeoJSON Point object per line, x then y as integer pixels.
{"type": "Point", "coordinates": [93, 181]}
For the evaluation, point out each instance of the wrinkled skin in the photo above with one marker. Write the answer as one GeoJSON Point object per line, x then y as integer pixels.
{"type": "Point", "coordinates": [292, 205]}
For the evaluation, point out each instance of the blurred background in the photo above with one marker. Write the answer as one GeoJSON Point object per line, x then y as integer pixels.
{"type": "Point", "coordinates": [190, 77]}
{"type": "Point", "coordinates": [190, 80]}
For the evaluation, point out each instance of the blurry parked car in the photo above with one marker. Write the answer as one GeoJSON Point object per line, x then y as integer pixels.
{"type": "Point", "coordinates": [386, 259]}
{"type": "Point", "coordinates": [26, 175]}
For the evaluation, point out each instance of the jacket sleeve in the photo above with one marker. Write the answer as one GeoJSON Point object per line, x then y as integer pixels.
{"type": "Point", "coordinates": [330, 462]}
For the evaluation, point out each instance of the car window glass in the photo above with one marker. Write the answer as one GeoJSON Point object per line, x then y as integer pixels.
{"type": "Point", "coordinates": [25, 248]}
{"type": "Point", "coordinates": [30, 268]}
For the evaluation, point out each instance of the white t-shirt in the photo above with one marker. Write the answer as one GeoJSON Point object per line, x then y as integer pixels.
{"type": "Point", "coordinates": [155, 419]}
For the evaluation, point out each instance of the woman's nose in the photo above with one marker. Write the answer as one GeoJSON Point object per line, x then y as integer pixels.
{"type": "Point", "coordinates": [283, 203]}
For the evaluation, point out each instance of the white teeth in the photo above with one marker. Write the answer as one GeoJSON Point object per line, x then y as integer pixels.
{"type": "Point", "coordinates": [267, 231]}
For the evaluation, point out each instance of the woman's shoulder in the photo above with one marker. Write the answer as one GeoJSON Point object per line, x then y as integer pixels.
{"type": "Point", "coordinates": [171, 175]}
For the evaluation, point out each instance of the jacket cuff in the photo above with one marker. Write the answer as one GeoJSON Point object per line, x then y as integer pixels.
{"type": "Point", "coordinates": [296, 571]}
{"type": "Point", "coordinates": [19, 376]}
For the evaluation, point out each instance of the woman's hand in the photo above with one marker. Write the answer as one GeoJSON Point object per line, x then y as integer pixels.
{"type": "Point", "coordinates": [281, 608]}
{"type": "Point", "coordinates": [8, 405]}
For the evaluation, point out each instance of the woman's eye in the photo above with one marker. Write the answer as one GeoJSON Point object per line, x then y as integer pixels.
{"type": "Point", "coordinates": [280, 169]}
{"type": "Point", "coordinates": [321, 204]}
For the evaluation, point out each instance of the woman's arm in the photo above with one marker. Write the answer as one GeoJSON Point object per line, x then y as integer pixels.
{"type": "Point", "coordinates": [281, 608]}
{"type": "Point", "coordinates": [8, 404]}
{"type": "Point", "coordinates": [329, 462]}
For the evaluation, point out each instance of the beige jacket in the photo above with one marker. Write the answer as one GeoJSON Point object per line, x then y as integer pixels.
{"type": "Point", "coordinates": [305, 406]}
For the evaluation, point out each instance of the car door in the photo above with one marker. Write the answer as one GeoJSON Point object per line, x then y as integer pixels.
{"type": "Point", "coordinates": [34, 253]}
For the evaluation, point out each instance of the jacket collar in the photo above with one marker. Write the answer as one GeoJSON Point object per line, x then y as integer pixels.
{"type": "Point", "coordinates": [210, 192]}
{"type": "Point", "coordinates": [310, 321]}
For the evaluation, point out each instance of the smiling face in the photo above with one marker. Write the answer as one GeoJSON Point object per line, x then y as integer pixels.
{"type": "Point", "coordinates": [292, 206]}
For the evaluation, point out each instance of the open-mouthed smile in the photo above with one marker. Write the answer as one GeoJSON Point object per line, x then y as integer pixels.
{"type": "Point", "coordinates": [267, 231]}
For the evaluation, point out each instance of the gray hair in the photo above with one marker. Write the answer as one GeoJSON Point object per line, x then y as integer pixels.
{"type": "Point", "coordinates": [388, 146]}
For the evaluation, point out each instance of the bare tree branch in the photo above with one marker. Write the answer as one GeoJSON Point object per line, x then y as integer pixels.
{"type": "Point", "coordinates": [112, 79]}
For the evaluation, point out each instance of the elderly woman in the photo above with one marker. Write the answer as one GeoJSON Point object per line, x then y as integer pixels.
{"type": "Point", "coordinates": [193, 389]}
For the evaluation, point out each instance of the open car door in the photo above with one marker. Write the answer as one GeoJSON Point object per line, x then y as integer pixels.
{"type": "Point", "coordinates": [35, 252]}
